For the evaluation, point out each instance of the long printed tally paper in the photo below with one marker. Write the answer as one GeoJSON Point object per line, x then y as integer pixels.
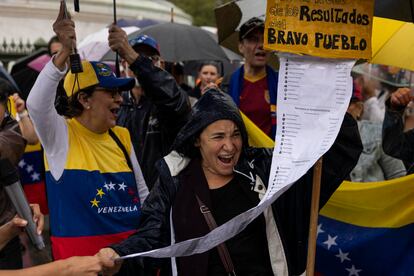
{"type": "Point", "coordinates": [313, 95]}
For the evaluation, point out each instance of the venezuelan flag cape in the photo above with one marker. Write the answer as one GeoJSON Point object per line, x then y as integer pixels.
{"type": "Point", "coordinates": [368, 229]}
{"type": "Point", "coordinates": [32, 176]}
{"type": "Point", "coordinates": [32, 172]}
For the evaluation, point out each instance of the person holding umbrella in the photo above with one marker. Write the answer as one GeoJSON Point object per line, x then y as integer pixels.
{"type": "Point", "coordinates": [212, 168]}
{"type": "Point", "coordinates": [397, 142]}
{"type": "Point", "coordinates": [156, 107]}
{"type": "Point", "coordinates": [94, 183]}
{"type": "Point", "coordinates": [253, 86]}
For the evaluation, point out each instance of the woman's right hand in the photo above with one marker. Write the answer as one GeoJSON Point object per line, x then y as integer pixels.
{"type": "Point", "coordinates": [64, 28]}
{"type": "Point", "coordinates": [107, 257]}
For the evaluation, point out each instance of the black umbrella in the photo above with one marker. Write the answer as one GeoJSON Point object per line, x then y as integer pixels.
{"type": "Point", "coordinates": [402, 10]}
{"type": "Point", "coordinates": [140, 23]}
{"type": "Point", "coordinates": [5, 75]}
{"type": "Point", "coordinates": [179, 42]}
{"type": "Point", "coordinates": [25, 76]}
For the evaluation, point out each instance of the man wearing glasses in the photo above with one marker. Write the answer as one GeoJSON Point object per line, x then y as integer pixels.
{"type": "Point", "coordinates": [152, 113]}
{"type": "Point", "coordinates": [254, 85]}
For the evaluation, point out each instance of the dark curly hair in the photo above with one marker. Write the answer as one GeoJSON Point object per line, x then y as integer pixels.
{"type": "Point", "coordinates": [70, 106]}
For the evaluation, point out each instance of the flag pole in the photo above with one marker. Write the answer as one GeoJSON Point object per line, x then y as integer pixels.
{"type": "Point", "coordinates": [314, 212]}
{"type": "Point", "coordinates": [117, 71]}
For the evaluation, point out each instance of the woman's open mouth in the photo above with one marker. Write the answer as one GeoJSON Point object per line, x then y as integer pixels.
{"type": "Point", "coordinates": [225, 160]}
{"type": "Point", "coordinates": [114, 112]}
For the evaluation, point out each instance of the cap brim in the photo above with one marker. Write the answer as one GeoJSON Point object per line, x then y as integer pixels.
{"type": "Point", "coordinates": [123, 84]}
{"type": "Point", "coordinates": [251, 30]}
{"type": "Point", "coordinates": [150, 48]}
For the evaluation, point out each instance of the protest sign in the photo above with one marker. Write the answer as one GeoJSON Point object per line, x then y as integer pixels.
{"type": "Point", "coordinates": [324, 28]}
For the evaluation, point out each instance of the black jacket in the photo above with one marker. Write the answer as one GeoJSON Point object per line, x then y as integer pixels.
{"type": "Point", "coordinates": [155, 121]}
{"type": "Point", "coordinates": [395, 141]}
{"type": "Point", "coordinates": [290, 212]}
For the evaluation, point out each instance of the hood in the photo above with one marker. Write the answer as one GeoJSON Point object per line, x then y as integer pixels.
{"type": "Point", "coordinates": [214, 105]}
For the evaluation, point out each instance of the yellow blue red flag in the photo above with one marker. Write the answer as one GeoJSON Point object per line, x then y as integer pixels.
{"type": "Point", "coordinates": [365, 228]}
{"type": "Point", "coordinates": [368, 229]}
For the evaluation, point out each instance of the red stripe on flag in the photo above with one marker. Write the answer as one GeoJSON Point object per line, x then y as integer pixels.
{"type": "Point", "coordinates": [36, 193]}
{"type": "Point", "coordinates": [66, 247]}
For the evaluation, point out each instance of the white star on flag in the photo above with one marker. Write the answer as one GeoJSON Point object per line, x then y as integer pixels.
{"type": "Point", "coordinates": [320, 230]}
{"type": "Point", "coordinates": [343, 256]}
{"type": "Point", "coordinates": [353, 271]}
{"type": "Point", "coordinates": [22, 163]}
{"type": "Point", "coordinates": [122, 186]}
{"type": "Point", "coordinates": [35, 176]}
{"type": "Point", "coordinates": [330, 241]}
{"type": "Point", "coordinates": [111, 186]}
{"type": "Point", "coordinates": [29, 168]}
{"type": "Point", "coordinates": [106, 186]}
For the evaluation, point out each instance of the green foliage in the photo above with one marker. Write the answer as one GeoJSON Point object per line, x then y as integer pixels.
{"type": "Point", "coordinates": [202, 11]}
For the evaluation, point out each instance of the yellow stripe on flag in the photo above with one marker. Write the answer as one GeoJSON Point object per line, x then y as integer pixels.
{"type": "Point", "coordinates": [257, 138]}
{"type": "Point", "coordinates": [388, 204]}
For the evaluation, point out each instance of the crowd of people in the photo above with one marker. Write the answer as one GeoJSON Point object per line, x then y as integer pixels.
{"type": "Point", "coordinates": [134, 163]}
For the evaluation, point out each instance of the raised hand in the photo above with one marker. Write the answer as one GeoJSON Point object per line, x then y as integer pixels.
{"type": "Point", "coordinates": [401, 98]}
{"type": "Point", "coordinates": [18, 103]}
{"type": "Point", "coordinates": [64, 28]}
{"type": "Point", "coordinates": [118, 42]}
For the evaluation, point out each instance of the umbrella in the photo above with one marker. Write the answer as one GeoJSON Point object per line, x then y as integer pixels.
{"type": "Point", "coordinates": [94, 46]}
{"type": "Point", "coordinates": [392, 76]}
{"type": "Point", "coordinates": [231, 55]}
{"type": "Point", "coordinates": [393, 43]}
{"type": "Point", "coordinates": [6, 76]}
{"type": "Point", "coordinates": [230, 16]}
{"type": "Point", "coordinates": [137, 23]}
{"type": "Point", "coordinates": [395, 9]}
{"type": "Point", "coordinates": [24, 75]}
{"type": "Point", "coordinates": [39, 63]}
{"type": "Point", "coordinates": [179, 42]}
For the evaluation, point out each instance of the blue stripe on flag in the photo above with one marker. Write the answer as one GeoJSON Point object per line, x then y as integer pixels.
{"type": "Point", "coordinates": [31, 168]}
{"type": "Point", "coordinates": [346, 249]}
